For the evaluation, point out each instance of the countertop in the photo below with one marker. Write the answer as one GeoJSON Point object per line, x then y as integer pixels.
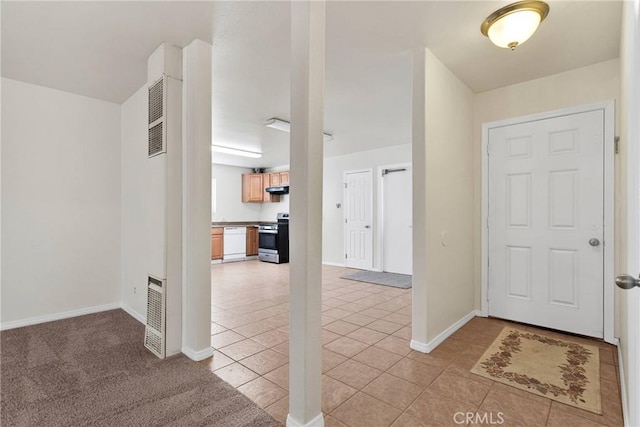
{"type": "Point", "coordinates": [240, 223]}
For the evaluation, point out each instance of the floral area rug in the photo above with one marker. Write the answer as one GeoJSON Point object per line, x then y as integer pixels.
{"type": "Point", "coordinates": [560, 370]}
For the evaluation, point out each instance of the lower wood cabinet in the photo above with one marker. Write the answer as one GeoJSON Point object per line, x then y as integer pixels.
{"type": "Point", "coordinates": [217, 242]}
{"type": "Point", "coordinates": [252, 241]}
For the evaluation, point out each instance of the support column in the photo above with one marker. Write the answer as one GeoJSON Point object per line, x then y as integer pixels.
{"type": "Point", "coordinates": [420, 238]}
{"type": "Point", "coordinates": [307, 123]}
{"type": "Point", "coordinates": [196, 201]}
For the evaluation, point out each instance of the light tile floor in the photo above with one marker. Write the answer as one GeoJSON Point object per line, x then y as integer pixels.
{"type": "Point", "coordinates": [370, 375]}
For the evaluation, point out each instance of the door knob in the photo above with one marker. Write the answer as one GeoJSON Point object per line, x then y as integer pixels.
{"type": "Point", "coordinates": [594, 242]}
{"type": "Point", "coordinates": [626, 281]}
{"type": "Point", "coordinates": [367, 226]}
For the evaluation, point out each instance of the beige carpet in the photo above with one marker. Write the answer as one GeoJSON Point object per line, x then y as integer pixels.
{"type": "Point", "coordinates": [560, 370]}
{"type": "Point", "coordinates": [94, 370]}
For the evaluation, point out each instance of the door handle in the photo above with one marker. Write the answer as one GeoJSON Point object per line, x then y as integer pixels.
{"type": "Point", "coordinates": [626, 281]}
{"type": "Point", "coordinates": [594, 242]}
{"type": "Point", "coordinates": [367, 226]}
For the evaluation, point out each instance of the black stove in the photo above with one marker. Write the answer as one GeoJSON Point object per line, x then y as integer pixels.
{"type": "Point", "coordinates": [273, 240]}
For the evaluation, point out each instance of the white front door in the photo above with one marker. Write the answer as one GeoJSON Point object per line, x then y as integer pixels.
{"type": "Point", "coordinates": [546, 222]}
{"type": "Point", "coordinates": [358, 220]}
{"type": "Point", "coordinates": [397, 219]}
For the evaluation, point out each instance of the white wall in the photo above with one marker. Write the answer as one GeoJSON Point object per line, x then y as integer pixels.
{"type": "Point", "coordinates": [61, 203]}
{"type": "Point", "coordinates": [135, 210]}
{"type": "Point", "coordinates": [229, 206]}
{"type": "Point", "coordinates": [333, 190]}
{"type": "Point", "coordinates": [269, 211]}
{"type": "Point", "coordinates": [443, 201]}
{"type": "Point", "coordinates": [594, 83]}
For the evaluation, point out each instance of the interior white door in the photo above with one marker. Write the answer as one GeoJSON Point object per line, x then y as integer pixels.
{"type": "Point", "coordinates": [546, 222]}
{"type": "Point", "coordinates": [358, 220]}
{"type": "Point", "coordinates": [629, 300]}
{"type": "Point", "coordinates": [397, 220]}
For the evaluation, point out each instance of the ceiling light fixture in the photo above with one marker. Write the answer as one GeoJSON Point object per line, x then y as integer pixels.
{"type": "Point", "coordinates": [514, 24]}
{"type": "Point", "coordinates": [285, 126]}
{"type": "Point", "coordinates": [235, 151]}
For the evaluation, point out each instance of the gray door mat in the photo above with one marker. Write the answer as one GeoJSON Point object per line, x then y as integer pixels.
{"type": "Point", "coordinates": [381, 278]}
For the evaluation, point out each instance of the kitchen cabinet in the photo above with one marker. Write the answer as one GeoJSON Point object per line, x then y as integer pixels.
{"type": "Point", "coordinates": [252, 188]}
{"type": "Point", "coordinates": [284, 178]}
{"type": "Point", "coordinates": [217, 242]}
{"type": "Point", "coordinates": [266, 183]}
{"type": "Point", "coordinates": [252, 241]}
{"type": "Point", "coordinates": [271, 180]}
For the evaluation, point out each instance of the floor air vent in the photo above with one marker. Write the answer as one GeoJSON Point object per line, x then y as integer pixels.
{"type": "Point", "coordinates": [154, 336]}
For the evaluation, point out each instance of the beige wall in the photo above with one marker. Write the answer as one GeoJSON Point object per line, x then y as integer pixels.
{"type": "Point", "coordinates": [586, 85]}
{"type": "Point", "coordinates": [449, 207]}
{"type": "Point", "coordinates": [443, 164]}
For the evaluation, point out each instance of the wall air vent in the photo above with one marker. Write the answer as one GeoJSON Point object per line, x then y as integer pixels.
{"type": "Point", "coordinates": [156, 101]}
{"type": "Point", "coordinates": [157, 139]}
{"type": "Point", "coordinates": [154, 334]}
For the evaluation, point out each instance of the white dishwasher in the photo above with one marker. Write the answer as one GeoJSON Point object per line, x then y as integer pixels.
{"type": "Point", "coordinates": [235, 243]}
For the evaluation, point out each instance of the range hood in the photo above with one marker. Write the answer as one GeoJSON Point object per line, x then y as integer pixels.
{"type": "Point", "coordinates": [278, 190]}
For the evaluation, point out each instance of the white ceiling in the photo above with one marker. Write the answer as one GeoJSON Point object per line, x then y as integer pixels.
{"type": "Point", "coordinates": [99, 49]}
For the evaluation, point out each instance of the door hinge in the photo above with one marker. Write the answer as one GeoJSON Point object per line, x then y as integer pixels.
{"type": "Point", "coordinates": [616, 144]}
{"type": "Point", "coordinates": [345, 256]}
{"type": "Point", "coordinates": [345, 185]}
{"type": "Point", "coordinates": [345, 220]}
{"type": "Point", "coordinates": [487, 222]}
{"type": "Point", "coordinates": [488, 151]}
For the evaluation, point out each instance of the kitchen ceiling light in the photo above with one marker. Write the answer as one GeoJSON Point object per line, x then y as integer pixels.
{"type": "Point", "coordinates": [514, 24]}
{"type": "Point", "coordinates": [285, 126]}
{"type": "Point", "coordinates": [235, 151]}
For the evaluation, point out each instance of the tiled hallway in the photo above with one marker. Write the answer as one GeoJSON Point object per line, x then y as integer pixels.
{"type": "Point", "coordinates": [371, 377]}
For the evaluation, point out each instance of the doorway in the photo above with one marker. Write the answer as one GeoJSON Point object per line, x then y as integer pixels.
{"type": "Point", "coordinates": [548, 209]}
{"type": "Point", "coordinates": [395, 233]}
{"type": "Point", "coordinates": [358, 219]}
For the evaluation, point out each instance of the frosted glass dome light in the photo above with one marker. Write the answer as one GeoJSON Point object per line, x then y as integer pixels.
{"type": "Point", "coordinates": [514, 24]}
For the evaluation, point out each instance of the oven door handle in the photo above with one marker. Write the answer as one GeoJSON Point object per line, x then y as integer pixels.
{"type": "Point", "coordinates": [268, 231]}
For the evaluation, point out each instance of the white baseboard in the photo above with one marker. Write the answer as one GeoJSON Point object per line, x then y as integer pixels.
{"type": "Point", "coordinates": [431, 345]}
{"type": "Point", "coordinates": [57, 316]}
{"type": "Point", "coordinates": [316, 422]}
{"type": "Point", "coordinates": [197, 356]}
{"type": "Point", "coordinates": [131, 312]}
{"type": "Point", "coordinates": [333, 264]}
{"type": "Point", "coordinates": [623, 387]}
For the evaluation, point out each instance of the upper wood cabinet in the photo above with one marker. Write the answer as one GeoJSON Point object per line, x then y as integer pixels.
{"type": "Point", "coordinates": [284, 178]}
{"type": "Point", "coordinates": [252, 188]}
{"type": "Point", "coordinates": [268, 197]}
